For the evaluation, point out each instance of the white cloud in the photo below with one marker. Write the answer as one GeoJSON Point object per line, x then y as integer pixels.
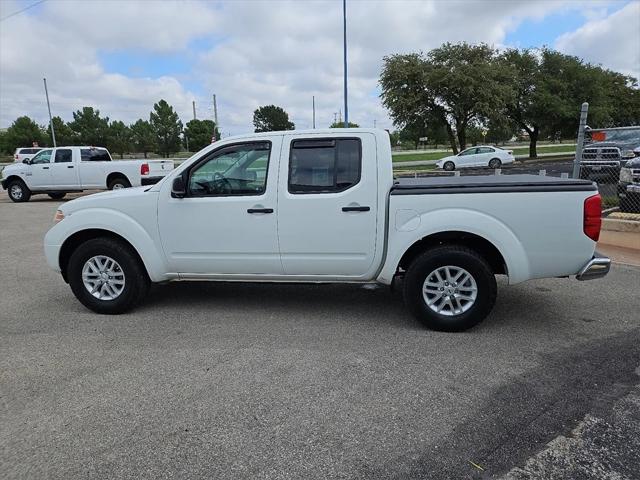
{"type": "Point", "coordinates": [279, 52]}
{"type": "Point", "coordinates": [613, 41]}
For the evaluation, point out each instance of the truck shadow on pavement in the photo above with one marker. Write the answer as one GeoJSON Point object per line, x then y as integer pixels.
{"type": "Point", "coordinates": [381, 306]}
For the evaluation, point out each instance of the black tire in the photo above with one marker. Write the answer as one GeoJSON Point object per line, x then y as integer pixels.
{"type": "Point", "coordinates": [449, 166]}
{"type": "Point", "coordinates": [18, 191]}
{"type": "Point", "coordinates": [118, 182]}
{"type": "Point", "coordinates": [457, 256]}
{"type": "Point", "coordinates": [136, 283]}
{"type": "Point", "coordinates": [495, 163]}
{"type": "Point", "coordinates": [57, 195]}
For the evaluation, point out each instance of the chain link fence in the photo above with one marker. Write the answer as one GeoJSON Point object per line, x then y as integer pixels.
{"type": "Point", "coordinates": [611, 158]}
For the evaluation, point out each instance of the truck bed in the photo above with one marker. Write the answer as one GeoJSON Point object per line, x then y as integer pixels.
{"type": "Point", "coordinates": [488, 184]}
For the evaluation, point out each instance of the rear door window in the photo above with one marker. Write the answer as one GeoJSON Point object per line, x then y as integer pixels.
{"type": "Point", "coordinates": [63, 155]}
{"type": "Point", "coordinates": [324, 165]}
{"type": "Point", "coordinates": [94, 155]}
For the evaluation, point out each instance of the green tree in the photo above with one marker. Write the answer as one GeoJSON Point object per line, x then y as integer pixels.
{"type": "Point", "coordinates": [455, 85]}
{"type": "Point", "coordinates": [119, 138]}
{"type": "Point", "coordinates": [24, 132]}
{"type": "Point", "coordinates": [270, 118]}
{"type": "Point", "coordinates": [143, 137]}
{"type": "Point", "coordinates": [90, 128]}
{"type": "Point", "coordinates": [341, 125]}
{"type": "Point", "coordinates": [199, 133]}
{"type": "Point", "coordinates": [167, 128]}
{"type": "Point", "coordinates": [65, 136]}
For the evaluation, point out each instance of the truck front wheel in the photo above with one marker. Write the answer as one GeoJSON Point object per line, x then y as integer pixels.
{"type": "Point", "coordinates": [18, 191]}
{"type": "Point", "coordinates": [450, 288]}
{"type": "Point", "coordinates": [107, 276]}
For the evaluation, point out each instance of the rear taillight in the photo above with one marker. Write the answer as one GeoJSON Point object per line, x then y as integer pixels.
{"type": "Point", "coordinates": [592, 217]}
{"type": "Point", "coordinates": [144, 169]}
{"type": "Point", "coordinates": [16, 156]}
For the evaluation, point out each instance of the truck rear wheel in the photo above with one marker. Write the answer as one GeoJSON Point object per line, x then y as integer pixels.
{"type": "Point", "coordinates": [18, 191]}
{"type": "Point", "coordinates": [117, 183]}
{"type": "Point", "coordinates": [450, 288]}
{"type": "Point", "coordinates": [107, 276]}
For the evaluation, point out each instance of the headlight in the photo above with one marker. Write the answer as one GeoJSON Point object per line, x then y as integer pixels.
{"type": "Point", "coordinates": [628, 154]}
{"type": "Point", "coordinates": [58, 217]}
{"type": "Point", "coordinates": [625, 175]}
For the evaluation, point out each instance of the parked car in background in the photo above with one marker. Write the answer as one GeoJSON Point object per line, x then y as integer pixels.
{"type": "Point", "coordinates": [26, 153]}
{"type": "Point", "coordinates": [627, 139]}
{"type": "Point", "coordinates": [607, 150]}
{"type": "Point", "coordinates": [323, 206]}
{"type": "Point", "coordinates": [629, 185]}
{"type": "Point", "coordinates": [478, 156]}
{"type": "Point", "coordinates": [57, 171]}
{"type": "Point", "coordinates": [600, 160]}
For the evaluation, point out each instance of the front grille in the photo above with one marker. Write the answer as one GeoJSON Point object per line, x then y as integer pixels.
{"type": "Point", "coordinates": [604, 153]}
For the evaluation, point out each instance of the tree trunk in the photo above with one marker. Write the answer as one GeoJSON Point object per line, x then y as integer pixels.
{"type": "Point", "coordinates": [452, 139]}
{"type": "Point", "coordinates": [145, 154]}
{"type": "Point", "coordinates": [533, 140]}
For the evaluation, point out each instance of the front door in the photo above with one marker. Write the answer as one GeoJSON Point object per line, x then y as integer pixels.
{"type": "Point", "coordinates": [226, 224]}
{"type": "Point", "coordinates": [40, 170]}
{"type": "Point", "coordinates": [327, 208]}
{"type": "Point", "coordinates": [63, 170]}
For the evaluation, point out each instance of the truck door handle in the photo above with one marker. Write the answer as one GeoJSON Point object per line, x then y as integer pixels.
{"type": "Point", "coordinates": [69, 166]}
{"type": "Point", "coordinates": [260, 210]}
{"type": "Point", "coordinates": [45, 168]}
{"type": "Point", "coordinates": [356, 209]}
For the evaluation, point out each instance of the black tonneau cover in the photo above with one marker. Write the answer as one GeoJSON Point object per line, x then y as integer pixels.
{"type": "Point", "coordinates": [489, 184]}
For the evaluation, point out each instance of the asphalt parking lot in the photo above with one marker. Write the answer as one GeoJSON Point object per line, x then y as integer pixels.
{"type": "Point", "coordinates": [244, 381]}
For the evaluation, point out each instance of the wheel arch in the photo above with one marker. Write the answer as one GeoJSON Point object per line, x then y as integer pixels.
{"type": "Point", "coordinates": [82, 236]}
{"type": "Point", "coordinates": [115, 175]}
{"type": "Point", "coordinates": [455, 237]}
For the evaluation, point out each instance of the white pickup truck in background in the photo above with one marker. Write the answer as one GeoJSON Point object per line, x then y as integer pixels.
{"type": "Point", "coordinates": [323, 206]}
{"type": "Point", "coordinates": [57, 171]}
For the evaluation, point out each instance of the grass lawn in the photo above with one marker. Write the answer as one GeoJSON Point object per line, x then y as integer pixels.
{"type": "Point", "coordinates": [412, 157]}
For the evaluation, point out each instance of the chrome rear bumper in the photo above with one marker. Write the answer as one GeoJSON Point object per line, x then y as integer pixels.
{"type": "Point", "coordinates": [597, 267]}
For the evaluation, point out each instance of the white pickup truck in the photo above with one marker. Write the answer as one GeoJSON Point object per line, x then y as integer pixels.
{"type": "Point", "coordinates": [323, 206]}
{"type": "Point", "coordinates": [57, 171]}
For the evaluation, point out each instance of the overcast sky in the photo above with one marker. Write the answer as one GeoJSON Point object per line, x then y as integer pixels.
{"type": "Point", "coordinates": [122, 56]}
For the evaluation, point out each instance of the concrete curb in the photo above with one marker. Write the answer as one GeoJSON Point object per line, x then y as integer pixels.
{"type": "Point", "coordinates": [620, 233]}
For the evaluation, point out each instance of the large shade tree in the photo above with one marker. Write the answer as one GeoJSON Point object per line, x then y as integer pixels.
{"type": "Point", "coordinates": [90, 127]}
{"type": "Point", "coordinates": [143, 137]}
{"type": "Point", "coordinates": [23, 132]}
{"type": "Point", "coordinates": [270, 118]}
{"type": "Point", "coordinates": [199, 133]}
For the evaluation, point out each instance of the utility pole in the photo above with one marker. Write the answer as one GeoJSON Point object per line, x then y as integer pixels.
{"type": "Point", "coordinates": [313, 99]}
{"type": "Point", "coordinates": [215, 118]}
{"type": "Point", "coordinates": [335, 117]}
{"type": "Point", "coordinates": [580, 145]}
{"type": "Point", "coordinates": [344, 28]}
{"type": "Point", "coordinates": [53, 133]}
{"type": "Point", "coordinates": [194, 109]}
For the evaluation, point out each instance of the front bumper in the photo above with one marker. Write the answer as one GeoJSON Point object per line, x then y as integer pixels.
{"type": "Point", "coordinates": [597, 267]}
{"type": "Point", "coordinates": [150, 180]}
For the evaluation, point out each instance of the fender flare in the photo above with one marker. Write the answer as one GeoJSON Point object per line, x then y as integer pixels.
{"type": "Point", "coordinates": [414, 228]}
{"type": "Point", "coordinates": [117, 223]}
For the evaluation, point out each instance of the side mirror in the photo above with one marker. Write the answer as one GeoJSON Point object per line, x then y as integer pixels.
{"type": "Point", "coordinates": [27, 161]}
{"type": "Point", "coordinates": [178, 189]}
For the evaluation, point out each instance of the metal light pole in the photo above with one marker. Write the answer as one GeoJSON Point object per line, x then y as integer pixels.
{"type": "Point", "coordinates": [215, 118]}
{"type": "Point", "coordinates": [344, 28]}
{"type": "Point", "coordinates": [580, 144]}
{"type": "Point", "coordinates": [313, 99]}
{"type": "Point", "coordinates": [53, 133]}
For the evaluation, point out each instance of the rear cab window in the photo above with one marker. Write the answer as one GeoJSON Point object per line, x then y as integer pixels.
{"type": "Point", "coordinates": [94, 155]}
{"type": "Point", "coordinates": [63, 155]}
{"type": "Point", "coordinates": [324, 165]}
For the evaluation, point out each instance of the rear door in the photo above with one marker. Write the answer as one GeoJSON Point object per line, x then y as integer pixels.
{"type": "Point", "coordinates": [93, 167]}
{"type": "Point", "coordinates": [484, 155]}
{"type": "Point", "coordinates": [64, 174]}
{"type": "Point", "coordinates": [327, 205]}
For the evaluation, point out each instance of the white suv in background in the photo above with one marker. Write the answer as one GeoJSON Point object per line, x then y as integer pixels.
{"type": "Point", "coordinates": [22, 154]}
